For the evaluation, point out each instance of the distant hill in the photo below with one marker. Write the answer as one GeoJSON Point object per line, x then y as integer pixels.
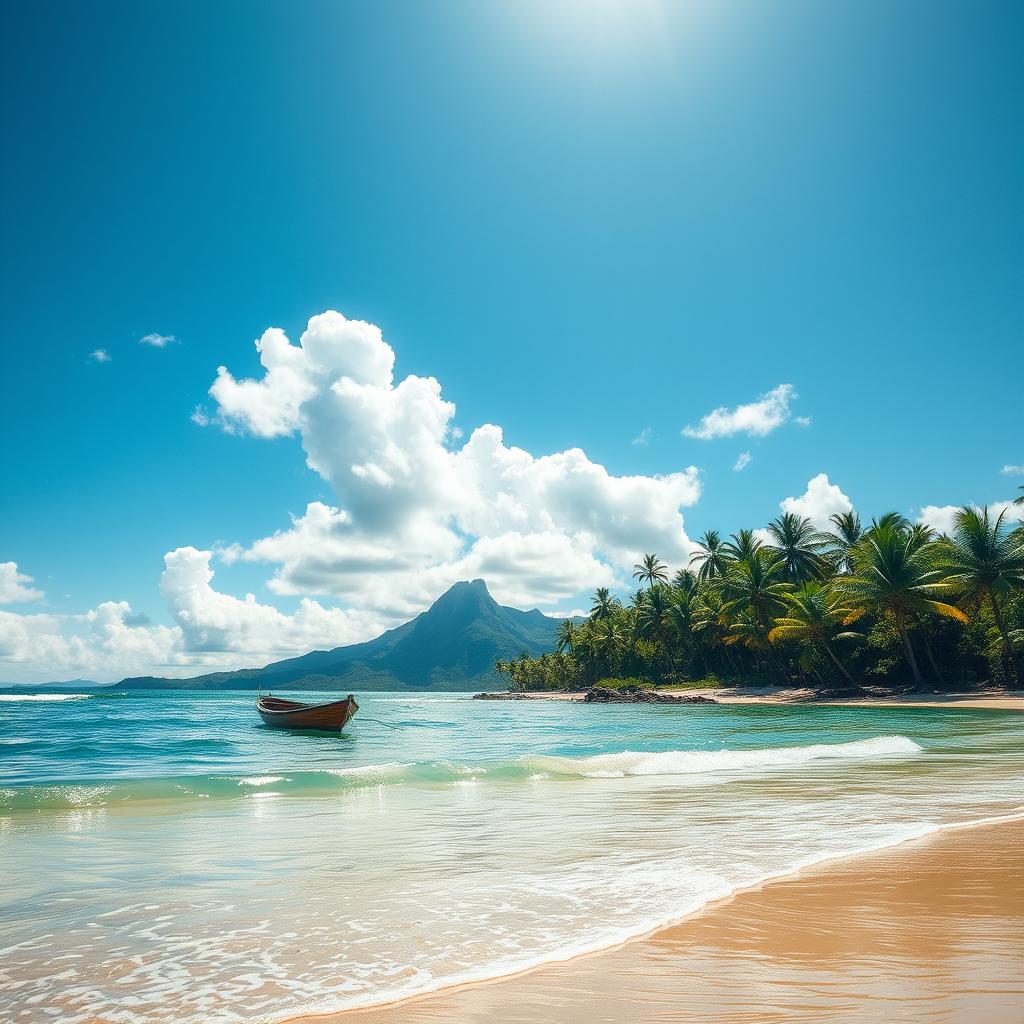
{"type": "Point", "coordinates": [453, 645]}
{"type": "Point", "coordinates": [67, 684]}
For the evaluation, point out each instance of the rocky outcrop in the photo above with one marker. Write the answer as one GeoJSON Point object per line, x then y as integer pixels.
{"type": "Point", "coordinates": [603, 695]}
{"type": "Point", "coordinates": [638, 695]}
{"type": "Point", "coordinates": [507, 695]}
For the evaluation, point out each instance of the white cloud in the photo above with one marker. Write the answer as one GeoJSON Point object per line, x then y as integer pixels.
{"type": "Point", "coordinates": [101, 355]}
{"type": "Point", "coordinates": [802, 421]}
{"type": "Point", "coordinates": [941, 517]}
{"type": "Point", "coordinates": [1011, 470]}
{"type": "Point", "coordinates": [210, 621]}
{"type": "Point", "coordinates": [643, 438]}
{"type": "Point", "coordinates": [819, 502]}
{"type": "Point", "coordinates": [200, 416]}
{"type": "Point", "coordinates": [211, 631]}
{"type": "Point", "coordinates": [13, 588]}
{"type": "Point", "coordinates": [756, 419]}
{"type": "Point", "coordinates": [157, 340]}
{"type": "Point", "coordinates": [743, 461]}
{"type": "Point", "coordinates": [415, 510]}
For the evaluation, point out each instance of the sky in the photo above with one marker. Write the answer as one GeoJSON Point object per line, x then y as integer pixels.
{"type": "Point", "coordinates": [520, 291]}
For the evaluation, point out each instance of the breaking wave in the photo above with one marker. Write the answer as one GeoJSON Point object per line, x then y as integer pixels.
{"type": "Point", "coordinates": [13, 698]}
{"type": "Point", "coordinates": [96, 793]}
{"type": "Point", "coordinates": [690, 762]}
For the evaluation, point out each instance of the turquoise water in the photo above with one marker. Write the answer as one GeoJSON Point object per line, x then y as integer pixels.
{"type": "Point", "coordinates": [168, 857]}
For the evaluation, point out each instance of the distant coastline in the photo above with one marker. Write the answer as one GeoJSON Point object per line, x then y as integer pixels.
{"type": "Point", "coordinates": [995, 700]}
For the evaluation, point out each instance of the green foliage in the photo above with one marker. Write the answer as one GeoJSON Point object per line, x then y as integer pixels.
{"type": "Point", "coordinates": [622, 684]}
{"type": "Point", "coordinates": [892, 604]}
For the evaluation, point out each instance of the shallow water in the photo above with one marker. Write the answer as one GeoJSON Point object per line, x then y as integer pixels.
{"type": "Point", "coordinates": [165, 853]}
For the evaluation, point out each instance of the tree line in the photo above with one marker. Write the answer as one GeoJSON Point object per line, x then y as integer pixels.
{"type": "Point", "coordinates": [892, 604]}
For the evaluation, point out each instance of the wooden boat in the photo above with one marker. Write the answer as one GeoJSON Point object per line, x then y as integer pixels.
{"type": "Point", "coordinates": [279, 713]}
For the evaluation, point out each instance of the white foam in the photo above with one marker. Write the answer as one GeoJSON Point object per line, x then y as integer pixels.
{"type": "Point", "coordinates": [690, 762]}
{"type": "Point", "coordinates": [13, 698]}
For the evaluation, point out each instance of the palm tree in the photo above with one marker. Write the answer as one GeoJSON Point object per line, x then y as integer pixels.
{"type": "Point", "coordinates": [685, 581]}
{"type": "Point", "coordinates": [919, 535]}
{"type": "Point", "coordinates": [608, 642]}
{"type": "Point", "coordinates": [846, 536]}
{"type": "Point", "coordinates": [710, 622]}
{"type": "Point", "coordinates": [680, 617]}
{"type": "Point", "coordinates": [985, 563]}
{"type": "Point", "coordinates": [890, 520]}
{"type": "Point", "coordinates": [604, 604]}
{"type": "Point", "coordinates": [1020, 500]}
{"type": "Point", "coordinates": [710, 556]}
{"type": "Point", "coordinates": [896, 577]}
{"type": "Point", "coordinates": [652, 619]}
{"type": "Point", "coordinates": [565, 638]}
{"type": "Point", "coordinates": [756, 583]}
{"type": "Point", "coordinates": [816, 617]}
{"type": "Point", "coordinates": [800, 546]}
{"type": "Point", "coordinates": [747, 629]}
{"type": "Point", "coordinates": [650, 571]}
{"type": "Point", "coordinates": [743, 545]}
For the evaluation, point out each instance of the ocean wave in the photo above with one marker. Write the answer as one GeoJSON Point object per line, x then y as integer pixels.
{"type": "Point", "coordinates": [328, 782]}
{"type": "Point", "coordinates": [691, 762]}
{"type": "Point", "coordinates": [11, 698]}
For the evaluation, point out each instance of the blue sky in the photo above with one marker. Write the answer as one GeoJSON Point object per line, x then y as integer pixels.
{"type": "Point", "coordinates": [586, 222]}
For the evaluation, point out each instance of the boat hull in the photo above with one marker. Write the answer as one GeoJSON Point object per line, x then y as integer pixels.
{"type": "Point", "coordinates": [279, 713]}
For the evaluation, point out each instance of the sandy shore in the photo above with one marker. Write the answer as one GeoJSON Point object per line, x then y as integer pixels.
{"type": "Point", "coordinates": [1010, 700]}
{"type": "Point", "coordinates": [930, 931]}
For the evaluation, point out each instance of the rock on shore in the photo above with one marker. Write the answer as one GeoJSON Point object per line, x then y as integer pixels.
{"type": "Point", "coordinates": [603, 695]}
{"type": "Point", "coordinates": [638, 695]}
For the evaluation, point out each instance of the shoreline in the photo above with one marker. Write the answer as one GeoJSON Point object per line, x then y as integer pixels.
{"type": "Point", "coordinates": [456, 1001]}
{"type": "Point", "coordinates": [1009, 700]}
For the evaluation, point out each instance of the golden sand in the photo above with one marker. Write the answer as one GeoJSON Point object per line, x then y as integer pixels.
{"type": "Point", "coordinates": [995, 701]}
{"type": "Point", "coordinates": [930, 931]}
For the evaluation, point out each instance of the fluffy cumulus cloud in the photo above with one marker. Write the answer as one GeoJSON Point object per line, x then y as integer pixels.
{"type": "Point", "coordinates": [418, 510]}
{"type": "Point", "coordinates": [212, 622]}
{"type": "Point", "coordinates": [1011, 469]}
{"type": "Point", "coordinates": [211, 630]}
{"type": "Point", "coordinates": [15, 586]}
{"type": "Point", "coordinates": [822, 500]}
{"type": "Point", "coordinates": [416, 507]}
{"type": "Point", "coordinates": [941, 517]}
{"type": "Point", "coordinates": [756, 419]}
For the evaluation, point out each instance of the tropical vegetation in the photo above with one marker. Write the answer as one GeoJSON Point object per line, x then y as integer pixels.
{"type": "Point", "coordinates": [893, 604]}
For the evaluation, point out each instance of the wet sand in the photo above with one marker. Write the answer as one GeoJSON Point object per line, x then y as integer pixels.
{"type": "Point", "coordinates": [930, 931]}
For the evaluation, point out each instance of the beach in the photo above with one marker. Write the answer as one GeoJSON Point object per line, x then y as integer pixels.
{"type": "Point", "coordinates": [929, 931]}
{"type": "Point", "coordinates": [226, 875]}
{"type": "Point", "coordinates": [992, 700]}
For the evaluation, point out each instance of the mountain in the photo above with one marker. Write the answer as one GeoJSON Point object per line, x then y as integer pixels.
{"type": "Point", "coordinates": [453, 645]}
{"type": "Point", "coordinates": [67, 684]}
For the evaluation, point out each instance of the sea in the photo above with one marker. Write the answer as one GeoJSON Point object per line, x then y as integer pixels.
{"type": "Point", "coordinates": [166, 857]}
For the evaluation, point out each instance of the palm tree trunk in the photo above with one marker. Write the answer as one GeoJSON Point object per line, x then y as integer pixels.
{"type": "Point", "coordinates": [1007, 645]}
{"type": "Point", "coordinates": [909, 650]}
{"type": "Point", "coordinates": [842, 668]}
{"type": "Point", "coordinates": [931, 661]}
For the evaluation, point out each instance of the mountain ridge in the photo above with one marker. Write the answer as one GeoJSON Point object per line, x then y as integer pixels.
{"type": "Point", "coordinates": [451, 645]}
